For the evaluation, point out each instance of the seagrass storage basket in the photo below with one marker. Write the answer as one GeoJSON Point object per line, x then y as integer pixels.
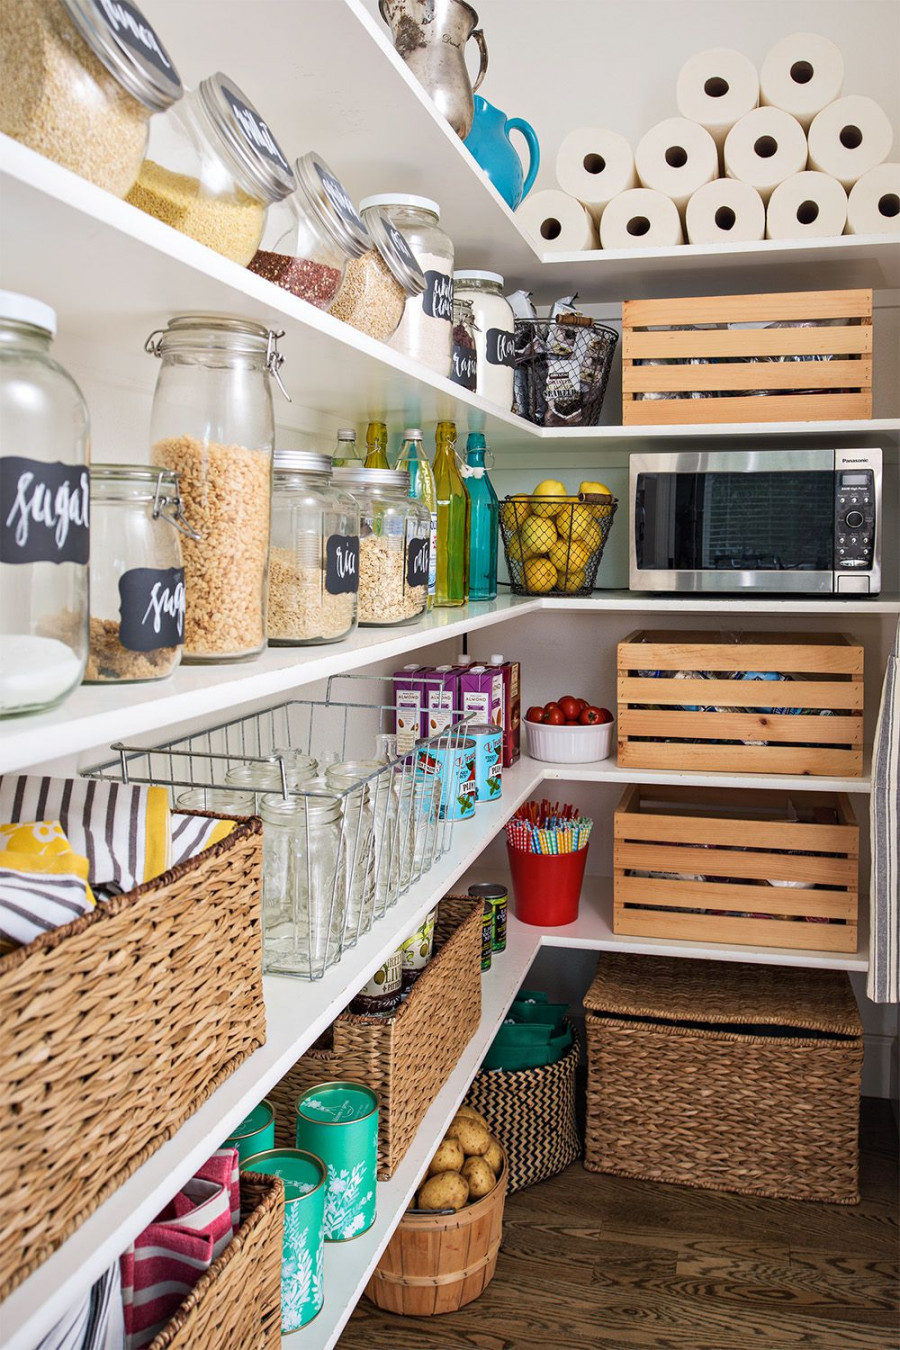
{"type": "Point", "coordinates": [236, 1304]}
{"type": "Point", "coordinates": [406, 1058]}
{"type": "Point", "coordinates": [532, 1111]}
{"type": "Point", "coordinates": [153, 998]}
{"type": "Point", "coordinates": [724, 1076]}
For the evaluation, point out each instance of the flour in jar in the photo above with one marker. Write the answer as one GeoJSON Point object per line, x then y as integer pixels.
{"type": "Point", "coordinates": [494, 334]}
{"type": "Point", "coordinates": [425, 332]}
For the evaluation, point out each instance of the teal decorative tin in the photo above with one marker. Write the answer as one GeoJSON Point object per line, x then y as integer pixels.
{"type": "Point", "coordinates": [256, 1132]}
{"type": "Point", "coordinates": [488, 761]}
{"type": "Point", "coordinates": [339, 1123]}
{"type": "Point", "coordinates": [452, 759]}
{"type": "Point", "coordinates": [303, 1247]}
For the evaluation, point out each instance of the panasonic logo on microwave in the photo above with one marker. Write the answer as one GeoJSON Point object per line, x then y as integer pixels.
{"type": "Point", "coordinates": [847, 459]}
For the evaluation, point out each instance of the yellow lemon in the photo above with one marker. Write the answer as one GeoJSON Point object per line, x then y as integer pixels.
{"type": "Point", "coordinates": [590, 535]}
{"type": "Point", "coordinates": [515, 511]}
{"type": "Point", "coordinates": [550, 487]}
{"type": "Point", "coordinates": [591, 489]}
{"type": "Point", "coordinates": [540, 575]}
{"type": "Point", "coordinates": [570, 582]}
{"type": "Point", "coordinates": [537, 535]}
{"type": "Point", "coordinates": [575, 521]}
{"type": "Point", "coordinates": [569, 553]}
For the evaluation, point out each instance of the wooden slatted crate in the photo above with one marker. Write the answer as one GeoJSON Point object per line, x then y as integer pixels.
{"type": "Point", "coordinates": [663, 354]}
{"type": "Point", "coordinates": [730, 867]}
{"type": "Point", "coordinates": [681, 705]}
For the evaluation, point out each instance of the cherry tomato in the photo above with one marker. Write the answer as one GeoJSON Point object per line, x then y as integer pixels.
{"type": "Point", "coordinates": [554, 717]}
{"type": "Point", "coordinates": [582, 704]}
{"type": "Point", "coordinates": [570, 707]}
{"type": "Point", "coordinates": [590, 717]}
{"type": "Point", "coordinates": [535, 714]}
{"type": "Point", "coordinates": [572, 722]}
{"type": "Point", "coordinates": [551, 707]}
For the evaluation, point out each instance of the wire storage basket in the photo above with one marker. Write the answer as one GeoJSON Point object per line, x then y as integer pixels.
{"type": "Point", "coordinates": [562, 370]}
{"type": "Point", "coordinates": [554, 545]}
{"type": "Point", "coordinates": [348, 825]}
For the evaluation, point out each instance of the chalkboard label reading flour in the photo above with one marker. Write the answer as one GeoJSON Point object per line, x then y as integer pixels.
{"type": "Point", "coordinates": [499, 348]}
{"type": "Point", "coordinates": [44, 511]}
{"type": "Point", "coordinates": [437, 300]}
{"type": "Point", "coordinates": [418, 554]}
{"type": "Point", "coordinates": [151, 608]}
{"type": "Point", "coordinates": [342, 564]}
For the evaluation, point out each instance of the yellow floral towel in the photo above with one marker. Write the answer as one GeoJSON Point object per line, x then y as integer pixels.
{"type": "Point", "coordinates": [43, 883]}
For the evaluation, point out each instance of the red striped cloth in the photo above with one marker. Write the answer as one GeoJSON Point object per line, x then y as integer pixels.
{"type": "Point", "coordinates": [168, 1258]}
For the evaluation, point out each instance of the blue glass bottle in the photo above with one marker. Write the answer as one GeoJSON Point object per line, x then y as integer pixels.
{"type": "Point", "coordinates": [484, 527]}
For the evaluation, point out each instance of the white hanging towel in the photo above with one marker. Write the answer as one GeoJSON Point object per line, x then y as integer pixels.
{"type": "Point", "coordinates": [883, 984]}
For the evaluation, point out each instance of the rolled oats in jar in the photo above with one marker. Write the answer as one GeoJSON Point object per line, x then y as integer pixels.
{"type": "Point", "coordinates": [377, 285]}
{"type": "Point", "coordinates": [394, 546]}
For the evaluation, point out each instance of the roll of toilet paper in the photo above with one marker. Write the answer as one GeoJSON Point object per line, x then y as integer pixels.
{"type": "Point", "coordinates": [676, 157]}
{"type": "Point", "coordinates": [725, 212]}
{"type": "Point", "coordinates": [557, 221]}
{"type": "Point", "coordinates": [716, 88]}
{"type": "Point", "coordinates": [874, 205]}
{"type": "Point", "coordinates": [849, 137]}
{"type": "Point", "coordinates": [807, 205]}
{"type": "Point", "coordinates": [801, 75]}
{"type": "Point", "coordinates": [641, 218]}
{"type": "Point", "coordinates": [764, 148]}
{"type": "Point", "coordinates": [594, 165]}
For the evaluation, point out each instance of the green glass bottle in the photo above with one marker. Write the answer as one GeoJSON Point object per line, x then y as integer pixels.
{"type": "Point", "coordinates": [483, 528]}
{"type": "Point", "coordinates": [376, 446]}
{"type": "Point", "coordinates": [413, 459]}
{"type": "Point", "coordinates": [452, 574]}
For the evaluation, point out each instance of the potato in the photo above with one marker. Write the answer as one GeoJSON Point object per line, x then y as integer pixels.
{"type": "Point", "coordinates": [448, 1190]}
{"type": "Point", "coordinates": [449, 1158]}
{"type": "Point", "coordinates": [474, 1138]}
{"type": "Point", "coordinates": [466, 1110]}
{"type": "Point", "coordinates": [479, 1176]}
{"type": "Point", "coordinates": [494, 1157]}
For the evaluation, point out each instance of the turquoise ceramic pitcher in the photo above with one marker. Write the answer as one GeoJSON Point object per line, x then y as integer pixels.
{"type": "Point", "coordinates": [490, 145]}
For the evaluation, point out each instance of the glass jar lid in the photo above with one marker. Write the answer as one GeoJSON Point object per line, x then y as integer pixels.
{"type": "Point", "coordinates": [139, 482]}
{"type": "Point", "coordinates": [249, 145]}
{"type": "Point", "coordinates": [120, 36]}
{"type": "Point", "coordinates": [301, 461]}
{"type": "Point", "coordinates": [401, 199]}
{"type": "Point", "coordinates": [471, 274]}
{"type": "Point", "coordinates": [326, 199]}
{"type": "Point", "coordinates": [223, 333]}
{"type": "Point", "coordinates": [396, 252]}
{"type": "Point", "coordinates": [349, 476]}
{"type": "Point", "coordinates": [17, 308]}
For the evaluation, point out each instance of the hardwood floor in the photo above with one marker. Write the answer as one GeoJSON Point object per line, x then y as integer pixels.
{"type": "Point", "coordinates": [593, 1262]}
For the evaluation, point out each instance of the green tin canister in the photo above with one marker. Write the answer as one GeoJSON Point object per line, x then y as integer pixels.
{"type": "Point", "coordinates": [339, 1123]}
{"type": "Point", "coordinates": [256, 1132]}
{"type": "Point", "coordinates": [303, 1247]}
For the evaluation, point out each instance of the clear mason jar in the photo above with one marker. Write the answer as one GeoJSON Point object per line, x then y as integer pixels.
{"type": "Point", "coordinates": [377, 286]}
{"type": "Point", "coordinates": [464, 369]}
{"type": "Point", "coordinates": [394, 546]}
{"type": "Point", "coordinates": [420, 830]}
{"type": "Point", "coordinates": [79, 82]}
{"type": "Point", "coordinates": [313, 553]}
{"type": "Point", "coordinates": [304, 886]}
{"type": "Point", "coordinates": [44, 513]}
{"type": "Point", "coordinates": [220, 801]}
{"type": "Point", "coordinates": [495, 332]}
{"type": "Point", "coordinates": [137, 581]}
{"type": "Point", "coordinates": [359, 843]}
{"type": "Point", "coordinates": [212, 170]}
{"type": "Point", "coordinates": [311, 236]}
{"type": "Point", "coordinates": [212, 422]}
{"type": "Point", "coordinates": [257, 778]}
{"type": "Point", "coordinates": [425, 332]}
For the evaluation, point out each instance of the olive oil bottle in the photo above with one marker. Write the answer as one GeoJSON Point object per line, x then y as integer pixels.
{"type": "Point", "coordinates": [376, 446]}
{"type": "Point", "coordinates": [452, 574]}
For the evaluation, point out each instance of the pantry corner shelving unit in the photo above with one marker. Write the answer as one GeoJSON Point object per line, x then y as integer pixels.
{"type": "Point", "coordinates": [114, 275]}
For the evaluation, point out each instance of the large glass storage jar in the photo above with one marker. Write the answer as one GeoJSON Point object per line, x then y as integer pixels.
{"type": "Point", "coordinates": [79, 82]}
{"type": "Point", "coordinates": [347, 777]}
{"type": "Point", "coordinates": [311, 236]}
{"type": "Point", "coordinates": [377, 285]}
{"type": "Point", "coordinates": [495, 332]}
{"type": "Point", "coordinates": [313, 555]}
{"type": "Point", "coordinates": [212, 169]}
{"type": "Point", "coordinates": [394, 546]}
{"type": "Point", "coordinates": [426, 330]}
{"type": "Point", "coordinates": [304, 889]}
{"type": "Point", "coordinates": [212, 422]}
{"type": "Point", "coordinates": [44, 513]}
{"type": "Point", "coordinates": [137, 581]}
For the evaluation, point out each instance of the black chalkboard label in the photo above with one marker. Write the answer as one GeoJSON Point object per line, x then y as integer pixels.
{"type": "Point", "coordinates": [463, 369]}
{"type": "Point", "coordinates": [342, 564]}
{"type": "Point", "coordinates": [401, 246]}
{"type": "Point", "coordinates": [129, 26]}
{"type": "Point", "coordinates": [418, 557]}
{"type": "Point", "coordinates": [256, 130]}
{"type": "Point", "coordinates": [44, 511]}
{"type": "Point", "coordinates": [499, 348]}
{"type": "Point", "coordinates": [438, 298]}
{"type": "Point", "coordinates": [337, 195]}
{"type": "Point", "coordinates": [151, 608]}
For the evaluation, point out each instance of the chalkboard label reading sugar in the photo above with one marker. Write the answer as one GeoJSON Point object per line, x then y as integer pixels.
{"type": "Point", "coordinates": [337, 195]}
{"type": "Point", "coordinates": [418, 554]}
{"type": "Point", "coordinates": [256, 130]}
{"type": "Point", "coordinates": [44, 511]}
{"type": "Point", "coordinates": [129, 26]}
{"type": "Point", "coordinates": [151, 608]}
{"type": "Point", "coordinates": [499, 347]}
{"type": "Point", "coordinates": [463, 369]}
{"type": "Point", "coordinates": [438, 298]}
{"type": "Point", "coordinates": [342, 564]}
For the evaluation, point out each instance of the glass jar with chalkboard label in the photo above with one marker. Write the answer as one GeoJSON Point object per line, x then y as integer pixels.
{"type": "Point", "coordinates": [464, 369]}
{"type": "Point", "coordinates": [313, 553]}
{"type": "Point", "coordinates": [137, 580]}
{"type": "Point", "coordinates": [495, 329]}
{"type": "Point", "coordinates": [44, 513]}
{"type": "Point", "coordinates": [394, 545]}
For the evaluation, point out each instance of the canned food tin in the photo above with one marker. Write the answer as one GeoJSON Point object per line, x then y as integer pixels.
{"type": "Point", "coordinates": [453, 759]}
{"type": "Point", "coordinates": [498, 896]}
{"type": "Point", "coordinates": [338, 1122]}
{"type": "Point", "coordinates": [488, 761]}
{"type": "Point", "coordinates": [256, 1132]}
{"type": "Point", "coordinates": [487, 935]}
{"type": "Point", "coordinates": [303, 1243]}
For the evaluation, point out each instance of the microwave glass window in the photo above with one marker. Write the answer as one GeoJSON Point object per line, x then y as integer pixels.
{"type": "Point", "coordinates": [736, 521]}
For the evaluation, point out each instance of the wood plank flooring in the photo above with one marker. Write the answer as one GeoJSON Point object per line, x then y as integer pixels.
{"type": "Point", "coordinates": [594, 1262]}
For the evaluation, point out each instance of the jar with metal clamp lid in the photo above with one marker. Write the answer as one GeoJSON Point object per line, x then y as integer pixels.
{"type": "Point", "coordinates": [212, 422]}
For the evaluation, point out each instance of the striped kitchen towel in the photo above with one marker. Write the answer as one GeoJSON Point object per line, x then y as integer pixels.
{"type": "Point", "coordinates": [192, 834]}
{"type": "Point", "coordinates": [122, 830]}
{"type": "Point", "coordinates": [40, 892]}
{"type": "Point", "coordinates": [96, 1322]}
{"type": "Point", "coordinates": [883, 982]}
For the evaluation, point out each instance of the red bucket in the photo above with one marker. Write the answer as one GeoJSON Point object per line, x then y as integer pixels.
{"type": "Point", "coordinates": [546, 886]}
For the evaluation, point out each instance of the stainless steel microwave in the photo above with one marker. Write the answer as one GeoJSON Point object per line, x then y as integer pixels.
{"type": "Point", "coordinates": [797, 521]}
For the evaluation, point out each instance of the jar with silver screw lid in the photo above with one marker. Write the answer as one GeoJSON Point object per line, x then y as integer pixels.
{"type": "Point", "coordinates": [394, 546]}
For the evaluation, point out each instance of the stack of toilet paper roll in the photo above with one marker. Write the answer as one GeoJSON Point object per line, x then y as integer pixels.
{"type": "Point", "coordinates": [769, 154]}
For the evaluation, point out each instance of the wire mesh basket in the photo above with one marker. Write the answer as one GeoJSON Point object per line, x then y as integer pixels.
{"type": "Point", "coordinates": [348, 825]}
{"type": "Point", "coordinates": [562, 370]}
{"type": "Point", "coordinates": [554, 545]}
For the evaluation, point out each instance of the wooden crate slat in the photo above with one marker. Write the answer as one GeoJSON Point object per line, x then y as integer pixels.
{"type": "Point", "coordinates": [770, 307]}
{"type": "Point", "coordinates": [638, 826]}
{"type": "Point", "coordinates": [704, 653]}
{"type": "Point", "coordinates": [778, 375]}
{"type": "Point", "coordinates": [724, 726]}
{"type": "Point", "coordinates": [829, 937]}
{"type": "Point", "coordinates": [739, 693]}
{"type": "Point", "coordinates": [853, 340]}
{"type": "Point", "coordinates": [774, 408]}
{"type": "Point", "coordinates": [677, 756]}
{"type": "Point", "coordinates": [739, 899]}
{"type": "Point", "coordinates": [743, 863]}
{"type": "Point", "coordinates": [674, 795]}
{"type": "Point", "coordinates": [641, 636]}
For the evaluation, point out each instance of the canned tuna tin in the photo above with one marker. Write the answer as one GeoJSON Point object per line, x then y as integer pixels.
{"type": "Point", "coordinates": [487, 935]}
{"type": "Point", "coordinates": [453, 759]}
{"type": "Point", "coordinates": [488, 761]}
{"type": "Point", "coordinates": [498, 896]}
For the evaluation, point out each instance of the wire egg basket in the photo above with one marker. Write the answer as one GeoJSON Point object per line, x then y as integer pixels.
{"type": "Point", "coordinates": [554, 545]}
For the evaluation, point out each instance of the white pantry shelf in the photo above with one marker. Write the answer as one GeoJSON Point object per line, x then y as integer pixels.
{"type": "Point", "coordinates": [608, 771]}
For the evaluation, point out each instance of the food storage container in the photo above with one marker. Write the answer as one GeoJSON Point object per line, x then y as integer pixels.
{"type": "Point", "coordinates": [44, 513]}
{"type": "Point", "coordinates": [394, 546]}
{"type": "Point", "coordinates": [304, 889]}
{"type": "Point", "coordinates": [377, 285]}
{"type": "Point", "coordinates": [426, 329]}
{"type": "Point", "coordinates": [313, 554]}
{"type": "Point", "coordinates": [212, 421]}
{"type": "Point", "coordinates": [256, 778]}
{"type": "Point", "coordinates": [495, 332]}
{"type": "Point", "coordinates": [213, 168]}
{"type": "Point", "coordinates": [79, 82]}
{"type": "Point", "coordinates": [137, 581]}
{"type": "Point", "coordinates": [219, 801]}
{"type": "Point", "coordinates": [349, 778]}
{"type": "Point", "coordinates": [464, 366]}
{"type": "Point", "coordinates": [311, 236]}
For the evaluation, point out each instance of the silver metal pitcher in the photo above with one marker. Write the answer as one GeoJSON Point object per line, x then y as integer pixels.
{"type": "Point", "coordinates": [431, 36]}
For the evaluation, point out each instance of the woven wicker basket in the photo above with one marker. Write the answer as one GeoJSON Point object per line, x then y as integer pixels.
{"type": "Point", "coordinates": [236, 1305]}
{"type": "Point", "coordinates": [154, 998]}
{"type": "Point", "coordinates": [731, 1077]}
{"type": "Point", "coordinates": [406, 1058]}
{"type": "Point", "coordinates": [532, 1113]}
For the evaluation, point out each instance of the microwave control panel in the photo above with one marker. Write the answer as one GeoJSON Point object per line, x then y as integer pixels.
{"type": "Point", "coordinates": [854, 523]}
